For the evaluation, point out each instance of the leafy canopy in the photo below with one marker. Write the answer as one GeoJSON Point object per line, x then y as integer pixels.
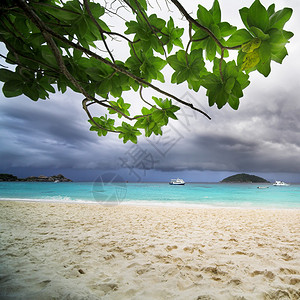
{"type": "Point", "coordinates": [54, 45]}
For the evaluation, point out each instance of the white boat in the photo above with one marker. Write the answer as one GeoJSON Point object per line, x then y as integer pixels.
{"type": "Point", "coordinates": [280, 183]}
{"type": "Point", "coordinates": [262, 187]}
{"type": "Point", "coordinates": [56, 181]}
{"type": "Point", "coordinates": [177, 181]}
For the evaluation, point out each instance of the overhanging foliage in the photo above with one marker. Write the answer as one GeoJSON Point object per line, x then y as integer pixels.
{"type": "Point", "coordinates": [55, 44]}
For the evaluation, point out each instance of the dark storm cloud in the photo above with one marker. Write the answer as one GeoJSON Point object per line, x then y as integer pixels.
{"type": "Point", "coordinates": [229, 154]}
{"type": "Point", "coordinates": [263, 136]}
{"type": "Point", "coordinates": [52, 134]}
{"type": "Point", "coordinates": [30, 120]}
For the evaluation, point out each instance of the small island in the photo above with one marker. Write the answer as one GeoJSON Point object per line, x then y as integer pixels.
{"type": "Point", "coordinates": [41, 178]}
{"type": "Point", "coordinates": [244, 178]}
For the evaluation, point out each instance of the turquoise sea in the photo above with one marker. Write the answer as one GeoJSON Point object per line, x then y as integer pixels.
{"type": "Point", "coordinates": [191, 194]}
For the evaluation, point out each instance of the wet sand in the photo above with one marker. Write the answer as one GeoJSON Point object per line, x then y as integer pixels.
{"type": "Point", "coordinates": [87, 251]}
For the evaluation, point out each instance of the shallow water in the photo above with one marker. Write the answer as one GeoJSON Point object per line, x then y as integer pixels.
{"type": "Point", "coordinates": [191, 194]}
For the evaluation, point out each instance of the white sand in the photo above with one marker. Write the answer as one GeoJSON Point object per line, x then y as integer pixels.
{"type": "Point", "coordinates": [81, 251]}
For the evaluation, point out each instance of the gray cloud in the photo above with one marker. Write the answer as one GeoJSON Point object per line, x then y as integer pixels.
{"type": "Point", "coordinates": [51, 134]}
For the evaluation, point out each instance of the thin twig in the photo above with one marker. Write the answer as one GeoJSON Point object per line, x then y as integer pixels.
{"type": "Point", "coordinates": [86, 5]}
{"type": "Point", "coordinates": [84, 105]}
{"type": "Point", "coordinates": [149, 25]}
{"type": "Point", "coordinates": [196, 23]}
{"type": "Point", "coordinates": [141, 95]}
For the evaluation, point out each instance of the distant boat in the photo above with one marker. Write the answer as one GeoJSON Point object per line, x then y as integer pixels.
{"type": "Point", "coordinates": [177, 181]}
{"type": "Point", "coordinates": [56, 181]}
{"type": "Point", "coordinates": [262, 187]}
{"type": "Point", "coordinates": [280, 183]}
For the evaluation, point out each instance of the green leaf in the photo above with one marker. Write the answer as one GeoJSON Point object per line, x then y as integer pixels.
{"type": "Point", "coordinates": [188, 67]}
{"type": "Point", "coordinates": [143, 3]}
{"type": "Point", "coordinates": [73, 5]}
{"type": "Point", "coordinates": [170, 114]}
{"type": "Point", "coordinates": [264, 66]}
{"type": "Point", "coordinates": [65, 13]}
{"type": "Point", "coordinates": [158, 101]}
{"type": "Point", "coordinates": [279, 18]}
{"type": "Point", "coordinates": [226, 29]}
{"type": "Point", "coordinates": [234, 102]}
{"type": "Point", "coordinates": [216, 12]}
{"type": "Point", "coordinates": [251, 46]}
{"type": "Point", "coordinates": [96, 9]}
{"type": "Point", "coordinates": [216, 31]}
{"type": "Point", "coordinates": [244, 15]}
{"type": "Point", "coordinates": [220, 91]}
{"type": "Point", "coordinates": [48, 55]}
{"type": "Point", "coordinates": [211, 49]}
{"type": "Point", "coordinates": [279, 56]}
{"type": "Point", "coordinates": [250, 60]}
{"type": "Point", "coordinates": [7, 75]}
{"type": "Point", "coordinates": [157, 22]}
{"type": "Point", "coordinates": [31, 92]}
{"type": "Point", "coordinates": [240, 37]}
{"type": "Point", "coordinates": [138, 4]}
{"type": "Point", "coordinates": [45, 83]}
{"type": "Point", "coordinates": [230, 82]}
{"type": "Point", "coordinates": [204, 16]}
{"type": "Point", "coordinates": [160, 117]}
{"type": "Point", "coordinates": [259, 33]}
{"type": "Point", "coordinates": [220, 97]}
{"type": "Point", "coordinates": [271, 10]}
{"type": "Point", "coordinates": [82, 27]}
{"type": "Point", "coordinates": [103, 25]}
{"type": "Point", "coordinates": [61, 84]}
{"type": "Point", "coordinates": [210, 81]}
{"type": "Point", "coordinates": [171, 35]}
{"type": "Point", "coordinates": [243, 80]}
{"type": "Point", "coordinates": [77, 54]}
{"type": "Point", "coordinates": [287, 34]}
{"type": "Point", "coordinates": [148, 123]}
{"type": "Point", "coordinates": [128, 133]}
{"type": "Point", "coordinates": [12, 88]}
{"type": "Point", "coordinates": [103, 125]}
{"type": "Point", "coordinates": [277, 40]}
{"type": "Point", "coordinates": [175, 62]}
{"type": "Point", "coordinates": [258, 16]}
{"type": "Point", "coordinates": [200, 34]}
{"type": "Point", "coordinates": [151, 68]}
{"type": "Point", "coordinates": [119, 105]}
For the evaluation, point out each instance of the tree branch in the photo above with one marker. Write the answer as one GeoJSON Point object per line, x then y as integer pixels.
{"type": "Point", "coordinates": [49, 34]}
{"type": "Point", "coordinates": [124, 71]}
{"type": "Point", "coordinates": [193, 21]}
{"type": "Point", "coordinates": [196, 23]}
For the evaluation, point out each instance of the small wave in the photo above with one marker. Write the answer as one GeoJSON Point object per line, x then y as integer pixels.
{"type": "Point", "coordinates": [45, 199]}
{"type": "Point", "coordinates": [154, 203]}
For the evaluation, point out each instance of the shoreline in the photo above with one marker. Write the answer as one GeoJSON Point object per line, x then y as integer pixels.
{"type": "Point", "coordinates": [77, 251]}
{"type": "Point", "coordinates": [145, 203]}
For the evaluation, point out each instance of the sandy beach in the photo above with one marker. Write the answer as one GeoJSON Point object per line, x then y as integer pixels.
{"type": "Point", "coordinates": [87, 251]}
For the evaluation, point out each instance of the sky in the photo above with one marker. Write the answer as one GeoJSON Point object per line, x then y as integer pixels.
{"type": "Point", "coordinates": [262, 137]}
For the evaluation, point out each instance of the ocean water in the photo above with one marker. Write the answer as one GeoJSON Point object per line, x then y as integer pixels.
{"type": "Point", "coordinates": [191, 194]}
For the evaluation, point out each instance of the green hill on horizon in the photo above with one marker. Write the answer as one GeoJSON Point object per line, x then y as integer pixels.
{"type": "Point", "coordinates": [243, 178]}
